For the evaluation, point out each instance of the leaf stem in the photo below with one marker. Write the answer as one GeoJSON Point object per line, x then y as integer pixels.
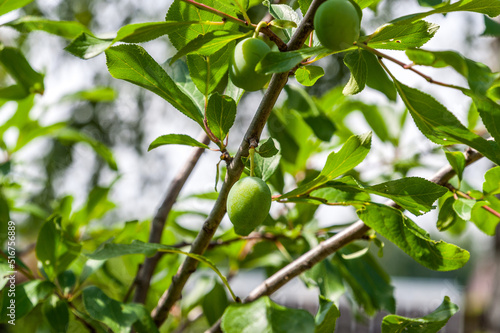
{"type": "Point", "coordinates": [243, 11]}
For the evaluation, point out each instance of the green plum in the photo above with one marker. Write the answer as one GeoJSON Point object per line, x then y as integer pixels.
{"type": "Point", "coordinates": [246, 56]}
{"type": "Point", "coordinates": [248, 204]}
{"type": "Point", "coordinates": [337, 24]}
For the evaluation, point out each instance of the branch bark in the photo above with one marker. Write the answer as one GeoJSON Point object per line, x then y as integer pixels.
{"type": "Point", "coordinates": [331, 245]}
{"type": "Point", "coordinates": [234, 170]}
{"type": "Point", "coordinates": [143, 278]}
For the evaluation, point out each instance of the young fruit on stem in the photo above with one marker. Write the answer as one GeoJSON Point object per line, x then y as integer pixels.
{"type": "Point", "coordinates": [337, 24]}
{"type": "Point", "coordinates": [248, 204]}
{"type": "Point", "coordinates": [246, 56]}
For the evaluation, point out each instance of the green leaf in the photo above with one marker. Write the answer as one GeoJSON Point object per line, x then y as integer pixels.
{"type": "Point", "coordinates": [208, 43]}
{"type": "Point", "coordinates": [430, 323]}
{"type": "Point", "coordinates": [327, 278]}
{"type": "Point", "coordinates": [214, 303]}
{"type": "Point", "coordinates": [279, 62]}
{"type": "Point", "coordinates": [179, 73]}
{"type": "Point", "coordinates": [414, 241]}
{"type": "Point", "coordinates": [65, 29]}
{"type": "Point", "coordinates": [484, 219]}
{"type": "Point", "coordinates": [377, 78]}
{"type": "Point", "coordinates": [369, 283]}
{"type": "Point", "coordinates": [133, 64]}
{"type": "Point", "coordinates": [71, 135]}
{"type": "Point", "coordinates": [487, 7]}
{"type": "Point", "coordinates": [117, 316]}
{"type": "Point", "coordinates": [181, 11]}
{"type": "Point", "coordinates": [284, 12]}
{"type": "Point", "coordinates": [267, 148]}
{"type": "Point", "coordinates": [95, 95]}
{"type": "Point", "coordinates": [304, 5]}
{"type": "Point", "coordinates": [19, 68]}
{"type": "Point", "coordinates": [283, 24]}
{"type": "Point", "coordinates": [430, 3]}
{"type": "Point", "coordinates": [351, 154]}
{"type": "Point", "coordinates": [463, 208]}
{"type": "Point", "coordinates": [440, 125]}
{"type": "Point", "coordinates": [14, 92]}
{"type": "Point", "coordinates": [144, 32]}
{"type": "Point", "coordinates": [221, 112]}
{"type": "Point", "coordinates": [357, 66]}
{"type": "Point", "coordinates": [265, 167]}
{"type": "Point", "coordinates": [490, 114]}
{"type": "Point", "coordinates": [377, 118]}
{"type": "Point", "coordinates": [4, 215]}
{"type": "Point", "coordinates": [56, 312]}
{"type": "Point", "coordinates": [10, 5]}
{"type": "Point", "coordinates": [207, 72]}
{"type": "Point", "coordinates": [447, 216]}
{"type": "Point", "coordinates": [412, 193]}
{"type": "Point", "coordinates": [96, 207]}
{"type": "Point", "coordinates": [300, 100]}
{"type": "Point", "coordinates": [401, 35]}
{"type": "Point", "coordinates": [86, 46]}
{"type": "Point", "coordinates": [308, 75]}
{"type": "Point", "coordinates": [326, 317]}
{"type": "Point", "coordinates": [457, 162]}
{"type": "Point", "coordinates": [280, 131]}
{"type": "Point", "coordinates": [55, 249]}
{"type": "Point", "coordinates": [344, 190]}
{"type": "Point", "coordinates": [491, 185]}
{"type": "Point", "coordinates": [263, 315]}
{"type": "Point", "coordinates": [492, 28]}
{"type": "Point", "coordinates": [66, 281]}
{"type": "Point", "coordinates": [367, 3]}
{"type": "Point", "coordinates": [176, 139]}
{"type": "Point", "coordinates": [27, 296]}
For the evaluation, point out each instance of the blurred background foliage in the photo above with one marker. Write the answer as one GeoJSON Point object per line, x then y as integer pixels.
{"type": "Point", "coordinates": [58, 172]}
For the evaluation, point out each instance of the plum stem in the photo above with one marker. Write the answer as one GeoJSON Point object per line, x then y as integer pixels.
{"type": "Point", "coordinates": [251, 152]}
{"type": "Point", "coordinates": [262, 24]}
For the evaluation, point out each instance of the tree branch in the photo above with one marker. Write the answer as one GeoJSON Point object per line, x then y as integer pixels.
{"type": "Point", "coordinates": [145, 272]}
{"type": "Point", "coordinates": [331, 245]}
{"type": "Point", "coordinates": [234, 170]}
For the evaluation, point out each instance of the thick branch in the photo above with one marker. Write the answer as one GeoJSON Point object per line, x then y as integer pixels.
{"type": "Point", "coordinates": [143, 278]}
{"type": "Point", "coordinates": [200, 244]}
{"type": "Point", "coordinates": [331, 245]}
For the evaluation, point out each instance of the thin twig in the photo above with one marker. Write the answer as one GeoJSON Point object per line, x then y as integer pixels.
{"type": "Point", "coordinates": [466, 196]}
{"type": "Point", "coordinates": [409, 67]}
{"type": "Point", "coordinates": [234, 170]}
{"type": "Point", "coordinates": [218, 12]}
{"type": "Point", "coordinates": [331, 245]}
{"type": "Point", "coordinates": [144, 274]}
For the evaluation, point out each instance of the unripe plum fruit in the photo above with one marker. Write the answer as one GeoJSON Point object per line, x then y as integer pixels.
{"type": "Point", "coordinates": [248, 204]}
{"type": "Point", "coordinates": [246, 56]}
{"type": "Point", "coordinates": [337, 24]}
